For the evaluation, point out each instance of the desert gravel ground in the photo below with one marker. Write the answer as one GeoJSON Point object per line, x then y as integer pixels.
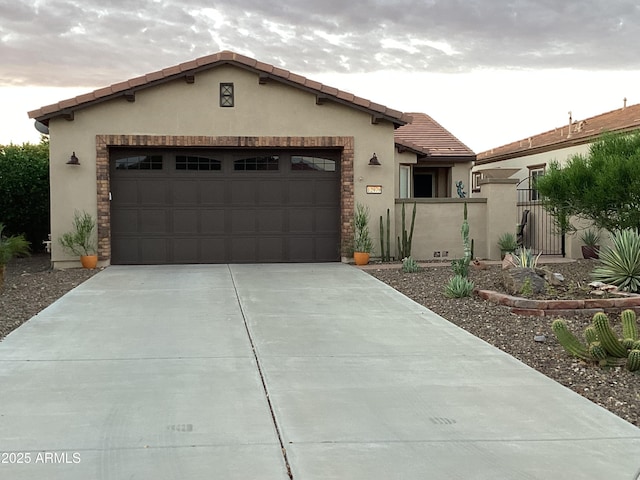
{"type": "Point", "coordinates": [31, 285]}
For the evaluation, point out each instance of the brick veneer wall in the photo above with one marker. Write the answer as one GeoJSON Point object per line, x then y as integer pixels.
{"type": "Point", "coordinates": [103, 142]}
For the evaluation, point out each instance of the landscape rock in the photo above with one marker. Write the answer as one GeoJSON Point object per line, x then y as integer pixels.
{"type": "Point", "coordinates": [507, 262]}
{"type": "Point", "coordinates": [517, 279]}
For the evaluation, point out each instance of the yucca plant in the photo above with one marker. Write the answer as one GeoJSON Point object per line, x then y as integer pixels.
{"type": "Point", "coordinates": [525, 259]}
{"type": "Point", "coordinates": [620, 262]}
{"type": "Point", "coordinates": [459, 287]}
{"type": "Point", "coordinates": [9, 248]}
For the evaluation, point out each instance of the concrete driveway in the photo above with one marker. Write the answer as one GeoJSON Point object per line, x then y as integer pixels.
{"type": "Point", "coordinates": [249, 371]}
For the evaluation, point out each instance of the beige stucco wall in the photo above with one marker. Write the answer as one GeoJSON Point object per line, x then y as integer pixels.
{"type": "Point", "coordinates": [438, 223]}
{"type": "Point", "coordinates": [545, 158]}
{"type": "Point", "coordinates": [178, 108]}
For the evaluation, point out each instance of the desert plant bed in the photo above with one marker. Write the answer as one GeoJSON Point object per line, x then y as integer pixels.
{"type": "Point", "coordinates": [614, 388]}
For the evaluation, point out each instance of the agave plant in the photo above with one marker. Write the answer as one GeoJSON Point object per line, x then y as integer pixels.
{"type": "Point", "coordinates": [525, 259]}
{"type": "Point", "coordinates": [459, 287]}
{"type": "Point", "coordinates": [620, 262]}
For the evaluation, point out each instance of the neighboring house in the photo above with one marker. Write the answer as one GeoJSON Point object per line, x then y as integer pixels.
{"type": "Point", "coordinates": [228, 159]}
{"type": "Point", "coordinates": [529, 158]}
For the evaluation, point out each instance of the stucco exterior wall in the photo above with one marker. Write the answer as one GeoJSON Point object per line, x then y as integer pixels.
{"type": "Point", "coordinates": [438, 223]}
{"type": "Point", "coordinates": [177, 108]}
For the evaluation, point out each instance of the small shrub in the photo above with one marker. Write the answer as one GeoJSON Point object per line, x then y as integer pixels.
{"type": "Point", "coordinates": [620, 263]}
{"type": "Point", "coordinates": [459, 287]}
{"type": "Point", "coordinates": [81, 240]}
{"type": "Point", "coordinates": [409, 265]}
{"type": "Point", "coordinates": [527, 288]}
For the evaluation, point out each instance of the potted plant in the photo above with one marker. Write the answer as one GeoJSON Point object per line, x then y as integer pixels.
{"type": "Point", "coordinates": [362, 243]}
{"type": "Point", "coordinates": [507, 243]}
{"type": "Point", "coordinates": [9, 248]}
{"type": "Point", "coordinates": [81, 240]}
{"type": "Point", "coordinates": [590, 249]}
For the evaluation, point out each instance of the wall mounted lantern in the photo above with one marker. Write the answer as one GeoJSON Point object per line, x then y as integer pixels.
{"type": "Point", "coordinates": [374, 160]}
{"type": "Point", "coordinates": [73, 160]}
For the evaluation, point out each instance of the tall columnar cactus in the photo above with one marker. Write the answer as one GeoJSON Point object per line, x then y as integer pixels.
{"type": "Point", "coordinates": [633, 360]}
{"type": "Point", "coordinates": [404, 244]}
{"type": "Point", "coordinates": [570, 343]}
{"type": "Point", "coordinates": [385, 254]}
{"type": "Point", "coordinates": [590, 334]}
{"type": "Point", "coordinates": [629, 325]}
{"type": "Point", "coordinates": [607, 337]}
{"type": "Point", "coordinates": [465, 236]}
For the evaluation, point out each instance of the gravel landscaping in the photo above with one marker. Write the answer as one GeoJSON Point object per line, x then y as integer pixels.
{"type": "Point", "coordinates": [31, 285]}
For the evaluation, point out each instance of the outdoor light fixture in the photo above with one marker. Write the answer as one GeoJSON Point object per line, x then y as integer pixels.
{"type": "Point", "coordinates": [374, 160]}
{"type": "Point", "coordinates": [73, 160]}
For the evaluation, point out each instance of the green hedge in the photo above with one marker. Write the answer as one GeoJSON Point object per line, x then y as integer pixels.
{"type": "Point", "coordinates": [24, 191]}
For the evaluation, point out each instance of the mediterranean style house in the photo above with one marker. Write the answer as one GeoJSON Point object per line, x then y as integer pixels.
{"type": "Point", "coordinates": [526, 159]}
{"type": "Point", "coordinates": [227, 159]}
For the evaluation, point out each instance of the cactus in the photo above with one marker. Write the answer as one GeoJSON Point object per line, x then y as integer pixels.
{"type": "Point", "coordinates": [404, 245]}
{"type": "Point", "coordinates": [569, 342]}
{"type": "Point", "coordinates": [633, 361]}
{"type": "Point", "coordinates": [628, 343]}
{"type": "Point", "coordinates": [636, 345]}
{"type": "Point", "coordinates": [607, 337]}
{"type": "Point", "coordinates": [629, 325]}
{"type": "Point", "coordinates": [597, 352]}
{"type": "Point", "coordinates": [590, 334]}
{"type": "Point", "coordinates": [385, 254]}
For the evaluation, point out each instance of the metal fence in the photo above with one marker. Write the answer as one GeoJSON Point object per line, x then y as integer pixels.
{"type": "Point", "coordinates": [536, 227]}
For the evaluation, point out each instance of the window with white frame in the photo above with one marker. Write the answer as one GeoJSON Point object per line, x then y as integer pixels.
{"type": "Point", "coordinates": [405, 181]}
{"type": "Point", "coordinates": [535, 172]}
{"type": "Point", "coordinates": [475, 181]}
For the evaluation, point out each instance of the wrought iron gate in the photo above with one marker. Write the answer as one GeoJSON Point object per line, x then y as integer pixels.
{"type": "Point", "coordinates": [536, 228]}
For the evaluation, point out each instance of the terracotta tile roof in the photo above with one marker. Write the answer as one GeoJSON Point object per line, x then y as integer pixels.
{"type": "Point", "coordinates": [425, 136]}
{"type": "Point", "coordinates": [582, 131]}
{"type": "Point", "coordinates": [267, 72]}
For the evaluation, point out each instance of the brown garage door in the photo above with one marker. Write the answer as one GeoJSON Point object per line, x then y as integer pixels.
{"type": "Point", "coordinates": [224, 206]}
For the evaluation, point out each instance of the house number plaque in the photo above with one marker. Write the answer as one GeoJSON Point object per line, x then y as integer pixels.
{"type": "Point", "coordinates": [374, 189]}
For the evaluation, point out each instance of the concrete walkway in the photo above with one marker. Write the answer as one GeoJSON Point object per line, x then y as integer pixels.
{"type": "Point", "coordinates": [206, 372]}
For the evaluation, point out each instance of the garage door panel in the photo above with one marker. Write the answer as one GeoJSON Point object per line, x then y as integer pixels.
{"type": "Point", "coordinates": [185, 250]}
{"type": "Point", "coordinates": [325, 220]}
{"type": "Point", "coordinates": [243, 221]}
{"type": "Point", "coordinates": [185, 221]}
{"type": "Point", "coordinates": [301, 220]}
{"type": "Point", "coordinates": [243, 192]}
{"type": "Point", "coordinates": [126, 250]}
{"type": "Point", "coordinates": [125, 222]}
{"type": "Point", "coordinates": [301, 249]}
{"type": "Point", "coordinates": [300, 193]}
{"type": "Point", "coordinates": [185, 192]}
{"type": "Point", "coordinates": [244, 250]}
{"type": "Point", "coordinates": [125, 191]}
{"type": "Point", "coordinates": [271, 221]}
{"type": "Point", "coordinates": [212, 221]}
{"type": "Point", "coordinates": [325, 192]}
{"type": "Point", "coordinates": [270, 192]}
{"type": "Point", "coordinates": [212, 192]}
{"type": "Point", "coordinates": [152, 192]}
{"type": "Point", "coordinates": [271, 249]}
{"type": "Point", "coordinates": [153, 221]}
{"type": "Point", "coordinates": [154, 250]}
{"type": "Point", "coordinates": [213, 250]}
{"type": "Point", "coordinates": [327, 248]}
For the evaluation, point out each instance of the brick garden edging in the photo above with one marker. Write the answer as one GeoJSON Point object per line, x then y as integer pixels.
{"type": "Point", "coordinates": [547, 308]}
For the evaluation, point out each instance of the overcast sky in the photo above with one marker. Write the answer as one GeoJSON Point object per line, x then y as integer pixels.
{"type": "Point", "coordinates": [490, 71]}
